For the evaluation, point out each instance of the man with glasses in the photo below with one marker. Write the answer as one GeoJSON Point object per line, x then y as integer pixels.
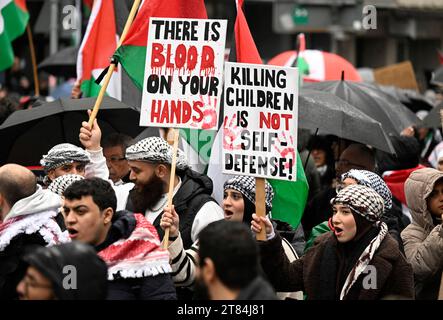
{"type": "Point", "coordinates": [355, 156]}
{"type": "Point", "coordinates": [114, 148]}
{"type": "Point", "coordinates": [70, 271]}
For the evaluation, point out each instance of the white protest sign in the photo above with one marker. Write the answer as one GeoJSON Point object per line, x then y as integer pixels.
{"type": "Point", "coordinates": [260, 121]}
{"type": "Point", "coordinates": [183, 73]}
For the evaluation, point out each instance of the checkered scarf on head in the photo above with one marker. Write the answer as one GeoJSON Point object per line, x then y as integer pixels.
{"type": "Point", "coordinates": [62, 154]}
{"type": "Point", "coordinates": [373, 181]}
{"type": "Point", "coordinates": [60, 184]}
{"type": "Point", "coordinates": [156, 150]}
{"type": "Point", "coordinates": [246, 186]}
{"type": "Point", "coordinates": [361, 200]}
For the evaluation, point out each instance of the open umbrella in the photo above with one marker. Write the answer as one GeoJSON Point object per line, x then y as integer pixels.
{"type": "Point", "coordinates": [332, 115]}
{"type": "Point", "coordinates": [322, 65]}
{"type": "Point", "coordinates": [413, 100]}
{"type": "Point", "coordinates": [28, 134]}
{"type": "Point", "coordinates": [433, 120]}
{"type": "Point", "coordinates": [62, 63]}
{"type": "Point", "coordinates": [392, 115]}
{"type": "Point", "coordinates": [437, 76]}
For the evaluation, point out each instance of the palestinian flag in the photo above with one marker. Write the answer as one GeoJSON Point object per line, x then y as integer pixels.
{"type": "Point", "coordinates": [87, 7]}
{"type": "Point", "coordinates": [96, 49]}
{"type": "Point", "coordinates": [289, 197]}
{"type": "Point", "coordinates": [14, 17]}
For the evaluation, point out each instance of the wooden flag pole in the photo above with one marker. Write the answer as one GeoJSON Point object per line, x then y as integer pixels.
{"type": "Point", "coordinates": [260, 205]}
{"type": "Point", "coordinates": [34, 63]}
{"type": "Point", "coordinates": [440, 293]}
{"type": "Point", "coordinates": [108, 76]}
{"type": "Point", "coordinates": [172, 133]}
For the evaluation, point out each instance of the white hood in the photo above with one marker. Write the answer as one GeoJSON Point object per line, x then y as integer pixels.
{"type": "Point", "coordinates": [40, 201]}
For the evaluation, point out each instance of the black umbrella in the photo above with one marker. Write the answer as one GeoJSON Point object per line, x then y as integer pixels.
{"type": "Point", "coordinates": [62, 63]}
{"type": "Point", "coordinates": [392, 115]}
{"type": "Point", "coordinates": [28, 134]}
{"type": "Point", "coordinates": [437, 76]}
{"type": "Point", "coordinates": [413, 100]}
{"type": "Point", "coordinates": [332, 115]}
{"type": "Point", "coordinates": [433, 119]}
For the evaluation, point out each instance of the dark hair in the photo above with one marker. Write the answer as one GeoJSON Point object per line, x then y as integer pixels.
{"type": "Point", "coordinates": [7, 107]}
{"type": "Point", "coordinates": [15, 187]}
{"type": "Point", "coordinates": [230, 245]}
{"type": "Point", "coordinates": [101, 191]}
{"type": "Point", "coordinates": [117, 140]}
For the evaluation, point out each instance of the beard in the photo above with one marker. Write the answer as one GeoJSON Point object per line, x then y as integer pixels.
{"type": "Point", "coordinates": [146, 196]}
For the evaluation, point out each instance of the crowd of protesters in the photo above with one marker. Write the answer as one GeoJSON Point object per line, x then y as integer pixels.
{"type": "Point", "coordinates": [371, 229]}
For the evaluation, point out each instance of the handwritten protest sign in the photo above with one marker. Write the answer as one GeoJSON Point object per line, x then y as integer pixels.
{"type": "Point", "coordinates": [260, 121]}
{"type": "Point", "coordinates": [183, 73]}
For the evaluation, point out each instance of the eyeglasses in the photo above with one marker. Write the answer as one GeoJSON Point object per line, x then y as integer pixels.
{"type": "Point", "coordinates": [31, 283]}
{"type": "Point", "coordinates": [115, 159]}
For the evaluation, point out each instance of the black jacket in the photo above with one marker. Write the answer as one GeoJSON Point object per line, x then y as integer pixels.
{"type": "Point", "coordinates": [258, 289]}
{"type": "Point", "coordinates": [159, 287]}
{"type": "Point", "coordinates": [194, 192]}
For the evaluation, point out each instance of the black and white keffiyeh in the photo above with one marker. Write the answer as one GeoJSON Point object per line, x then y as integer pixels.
{"type": "Point", "coordinates": [246, 186]}
{"type": "Point", "coordinates": [373, 181]}
{"type": "Point", "coordinates": [156, 150]}
{"type": "Point", "coordinates": [60, 184]}
{"type": "Point", "coordinates": [361, 200]}
{"type": "Point", "coordinates": [62, 154]}
{"type": "Point", "coordinates": [366, 202]}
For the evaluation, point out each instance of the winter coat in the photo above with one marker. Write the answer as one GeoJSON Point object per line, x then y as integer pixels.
{"type": "Point", "coordinates": [158, 287]}
{"type": "Point", "coordinates": [30, 222]}
{"type": "Point", "coordinates": [394, 274]}
{"type": "Point", "coordinates": [423, 241]}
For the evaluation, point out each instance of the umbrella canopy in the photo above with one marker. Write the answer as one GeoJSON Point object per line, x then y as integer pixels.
{"type": "Point", "coordinates": [332, 115]}
{"type": "Point", "coordinates": [28, 134]}
{"type": "Point", "coordinates": [413, 100]}
{"type": "Point", "coordinates": [392, 115]}
{"type": "Point", "coordinates": [322, 65]}
{"type": "Point", "coordinates": [62, 63]}
{"type": "Point", "coordinates": [433, 119]}
{"type": "Point", "coordinates": [437, 76]}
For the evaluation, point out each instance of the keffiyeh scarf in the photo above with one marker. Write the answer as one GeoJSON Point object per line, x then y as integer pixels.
{"type": "Point", "coordinates": [42, 222]}
{"type": "Point", "coordinates": [138, 256]}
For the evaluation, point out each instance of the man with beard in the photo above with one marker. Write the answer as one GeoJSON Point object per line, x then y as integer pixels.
{"type": "Point", "coordinates": [229, 264]}
{"type": "Point", "coordinates": [150, 163]}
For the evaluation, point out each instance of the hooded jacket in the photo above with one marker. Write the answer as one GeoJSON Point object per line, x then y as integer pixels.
{"type": "Point", "coordinates": [423, 241]}
{"type": "Point", "coordinates": [30, 222]}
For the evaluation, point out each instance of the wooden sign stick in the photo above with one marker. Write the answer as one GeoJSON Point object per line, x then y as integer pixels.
{"type": "Point", "coordinates": [260, 205]}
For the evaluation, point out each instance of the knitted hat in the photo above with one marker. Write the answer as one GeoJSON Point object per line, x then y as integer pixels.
{"type": "Point", "coordinates": [62, 154]}
{"type": "Point", "coordinates": [156, 150]}
{"type": "Point", "coordinates": [246, 186]}
{"type": "Point", "coordinates": [373, 181]}
{"type": "Point", "coordinates": [60, 184]}
{"type": "Point", "coordinates": [361, 200]}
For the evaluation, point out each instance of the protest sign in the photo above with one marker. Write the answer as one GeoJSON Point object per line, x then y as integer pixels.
{"type": "Point", "coordinates": [183, 73]}
{"type": "Point", "coordinates": [260, 121]}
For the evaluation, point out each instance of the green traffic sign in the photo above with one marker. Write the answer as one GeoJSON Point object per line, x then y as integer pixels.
{"type": "Point", "coordinates": [300, 15]}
